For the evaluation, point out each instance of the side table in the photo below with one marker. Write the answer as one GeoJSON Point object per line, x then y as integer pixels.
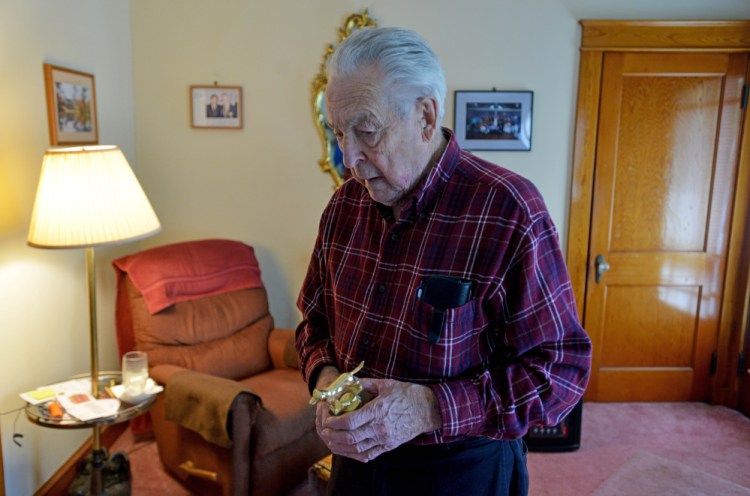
{"type": "Point", "coordinates": [38, 415]}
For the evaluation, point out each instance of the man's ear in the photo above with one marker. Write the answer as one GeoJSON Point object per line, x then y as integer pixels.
{"type": "Point", "coordinates": [428, 112]}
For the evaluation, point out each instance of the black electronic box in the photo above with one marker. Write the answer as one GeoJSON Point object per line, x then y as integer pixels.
{"type": "Point", "coordinates": [565, 436]}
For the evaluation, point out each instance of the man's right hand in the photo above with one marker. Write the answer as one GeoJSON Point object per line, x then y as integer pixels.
{"type": "Point", "coordinates": [326, 376]}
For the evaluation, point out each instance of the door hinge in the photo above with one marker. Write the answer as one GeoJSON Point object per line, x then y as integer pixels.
{"type": "Point", "coordinates": [714, 359]}
{"type": "Point", "coordinates": [745, 89]}
{"type": "Point", "coordinates": [740, 365]}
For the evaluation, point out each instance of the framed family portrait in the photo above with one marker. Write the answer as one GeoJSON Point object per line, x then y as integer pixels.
{"type": "Point", "coordinates": [493, 120]}
{"type": "Point", "coordinates": [216, 107]}
{"type": "Point", "coordinates": [71, 106]}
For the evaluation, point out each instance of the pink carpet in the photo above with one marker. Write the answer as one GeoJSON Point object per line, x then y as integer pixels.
{"type": "Point", "coordinates": [619, 439]}
{"type": "Point", "coordinates": [626, 449]}
{"type": "Point", "coordinates": [645, 473]}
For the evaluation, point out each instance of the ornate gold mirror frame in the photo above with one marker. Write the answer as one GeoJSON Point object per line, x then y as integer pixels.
{"type": "Point", "coordinates": [332, 161]}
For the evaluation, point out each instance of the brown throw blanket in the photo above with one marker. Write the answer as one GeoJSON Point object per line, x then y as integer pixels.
{"type": "Point", "coordinates": [201, 403]}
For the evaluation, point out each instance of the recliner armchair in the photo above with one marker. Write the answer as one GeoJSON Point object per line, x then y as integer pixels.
{"type": "Point", "coordinates": [234, 417]}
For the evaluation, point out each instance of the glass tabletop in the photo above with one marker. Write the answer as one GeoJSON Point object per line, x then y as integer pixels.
{"type": "Point", "coordinates": [40, 415]}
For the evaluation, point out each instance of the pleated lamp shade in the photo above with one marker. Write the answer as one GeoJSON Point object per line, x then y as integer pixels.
{"type": "Point", "coordinates": [88, 196]}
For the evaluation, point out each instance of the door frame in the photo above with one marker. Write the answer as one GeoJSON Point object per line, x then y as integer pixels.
{"type": "Point", "coordinates": [599, 37]}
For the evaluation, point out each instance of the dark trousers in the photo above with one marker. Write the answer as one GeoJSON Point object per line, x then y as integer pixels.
{"type": "Point", "coordinates": [475, 467]}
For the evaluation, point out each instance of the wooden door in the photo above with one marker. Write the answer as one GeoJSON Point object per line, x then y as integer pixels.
{"type": "Point", "coordinates": [666, 158]}
{"type": "Point", "coordinates": [730, 304]}
{"type": "Point", "coordinates": [744, 372]}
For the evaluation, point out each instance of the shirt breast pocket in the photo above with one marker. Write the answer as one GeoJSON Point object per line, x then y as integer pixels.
{"type": "Point", "coordinates": [444, 327]}
{"type": "Point", "coordinates": [444, 294]}
{"type": "Point", "coordinates": [461, 345]}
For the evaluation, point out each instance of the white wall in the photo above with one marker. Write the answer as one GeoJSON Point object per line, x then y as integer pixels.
{"type": "Point", "coordinates": [43, 305]}
{"type": "Point", "coordinates": [261, 184]}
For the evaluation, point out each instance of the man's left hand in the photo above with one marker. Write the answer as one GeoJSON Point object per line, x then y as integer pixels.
{"type": "Point", "coordinates": [399, 412]}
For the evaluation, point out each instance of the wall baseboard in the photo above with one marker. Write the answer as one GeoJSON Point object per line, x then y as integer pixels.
{"type": "Point", "coordinates": [58, 484]}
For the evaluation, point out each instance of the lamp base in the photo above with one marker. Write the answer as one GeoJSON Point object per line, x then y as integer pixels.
{"type": "Point", "coordinates": [110, 473]}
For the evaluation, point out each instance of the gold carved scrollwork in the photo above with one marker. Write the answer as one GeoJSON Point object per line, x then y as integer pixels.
{"type": "Point", "coordinates": [332, 162]}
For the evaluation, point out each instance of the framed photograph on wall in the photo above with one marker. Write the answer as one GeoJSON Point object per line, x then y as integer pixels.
{"type": "Point", "coordinates": [216, 107]}
{"type": "Point", "coordinates": [493, 120]}
{"type": "Point", "coordinates": [71, 106]}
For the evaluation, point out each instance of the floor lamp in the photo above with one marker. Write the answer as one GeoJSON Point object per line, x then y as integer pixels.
{"type": "Point", "coordinates": [87, 197]}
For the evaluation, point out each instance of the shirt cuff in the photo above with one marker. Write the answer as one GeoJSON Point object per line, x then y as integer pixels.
{"type": "Point", "coordinates": [461, 407]}
{"type": "Point", "coordinates": [314, 364]}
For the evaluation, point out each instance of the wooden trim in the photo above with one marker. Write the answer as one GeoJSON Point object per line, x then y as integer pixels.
{"type": "Point", "coordinates": [582, 185]}
{"type": "Point", "coordinates": [673, 35]}
{"type": "Point", "coordinates": [725, 387]}
{"type": "Point", "coordinates": [60, 481]}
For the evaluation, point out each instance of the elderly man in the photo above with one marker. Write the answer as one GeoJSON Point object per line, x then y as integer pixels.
{"type": "Point", "coordinates": [443, 274]}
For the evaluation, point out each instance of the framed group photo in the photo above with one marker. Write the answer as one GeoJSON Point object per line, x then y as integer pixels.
{"type": "Point", "coordinates": [493, 120]}
{"type": "Point", "coordinates": [71, 106]}
{"type": "Point", "coordinates": [216, 107]}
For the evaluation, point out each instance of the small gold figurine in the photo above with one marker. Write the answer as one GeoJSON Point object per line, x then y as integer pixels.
{"type": "Point", "coordinates": [342, 395]}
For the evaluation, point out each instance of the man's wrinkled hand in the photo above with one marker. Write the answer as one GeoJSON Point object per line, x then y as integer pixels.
{"type": "Point", "coordinates": [399, 412]}
{"type": "Point", "coordinates": [322, 412]}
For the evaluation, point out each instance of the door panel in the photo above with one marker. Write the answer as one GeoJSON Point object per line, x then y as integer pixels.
{"type": "Point", "coordinates": [652, 326]}
{"type": "Point", "coordinates": [664, 181]}
{"type": "Point", "coordinates": [678, 147]}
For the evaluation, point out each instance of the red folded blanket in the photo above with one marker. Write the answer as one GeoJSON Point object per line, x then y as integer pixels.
{"type": "Point", "coordinates": [185, 271]}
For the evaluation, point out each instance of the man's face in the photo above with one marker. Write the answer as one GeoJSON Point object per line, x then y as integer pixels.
{"type": "Point", "coordinates": [386, 152]}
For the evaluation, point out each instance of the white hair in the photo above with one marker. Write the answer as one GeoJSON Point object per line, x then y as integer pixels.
{"type": "Point", "coordinates": [410, 68]}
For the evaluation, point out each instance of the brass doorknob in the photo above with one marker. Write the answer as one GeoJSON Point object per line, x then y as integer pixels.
{"type": "Point", "coordinates": [601, 266]}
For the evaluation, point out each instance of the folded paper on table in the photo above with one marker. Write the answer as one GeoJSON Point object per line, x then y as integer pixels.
{"type": "Point", "coordinates": [75, 398]}
{"type": "Point", "coordinates": [46, 393]}
{"type": "Point", "coordinates": [85, 409]}
{"type": "Point", "coordinates": [38, 396]}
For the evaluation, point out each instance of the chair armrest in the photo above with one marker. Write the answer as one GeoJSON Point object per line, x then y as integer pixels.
{"type": "Point", "coordinates": [281, 349]}
{"type": "Point", "coordinates": [162, 373]}
{"type": "Point", "coordinates": [206, 404]}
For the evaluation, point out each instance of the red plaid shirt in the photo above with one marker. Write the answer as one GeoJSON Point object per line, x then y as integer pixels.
{"type": "Point", "coordinates": [513, 356]}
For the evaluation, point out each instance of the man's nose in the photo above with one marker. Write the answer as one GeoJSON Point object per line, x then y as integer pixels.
{"type": "Point", "coordinates": [351, 152]}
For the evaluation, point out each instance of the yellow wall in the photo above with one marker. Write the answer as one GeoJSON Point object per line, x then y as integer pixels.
{"type": "Point", "coordinates": [262, 184]}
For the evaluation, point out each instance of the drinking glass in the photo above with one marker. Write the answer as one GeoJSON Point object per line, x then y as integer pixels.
{"type": "Point", "coordinates": [134, 372]}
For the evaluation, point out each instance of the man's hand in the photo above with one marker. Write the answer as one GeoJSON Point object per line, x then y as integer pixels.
{"type": "Point", "coordinates": [399, 412]}
{"type": "Point", "coordinates": [327, 375]}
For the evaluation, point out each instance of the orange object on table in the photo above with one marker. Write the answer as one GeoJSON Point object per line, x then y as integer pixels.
{"type": "Point", "coordinates": [55, 410]}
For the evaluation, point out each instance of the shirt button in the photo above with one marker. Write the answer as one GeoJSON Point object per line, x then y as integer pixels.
{"type": "Point", "coordinates": [394, 237]}
{"type": "Point", "coordinates": [366, 341]}
{"type": "Point", "coordinates": [421, 217]}
{"type": "Point", "coordinates": [381, 288]}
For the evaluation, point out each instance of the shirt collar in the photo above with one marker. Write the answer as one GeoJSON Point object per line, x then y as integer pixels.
{"type": "Point", "coordinates": [440, 174]}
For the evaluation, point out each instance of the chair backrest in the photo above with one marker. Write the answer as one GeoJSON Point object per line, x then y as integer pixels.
{"type": "Point", "coordinates": [200, 305]}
